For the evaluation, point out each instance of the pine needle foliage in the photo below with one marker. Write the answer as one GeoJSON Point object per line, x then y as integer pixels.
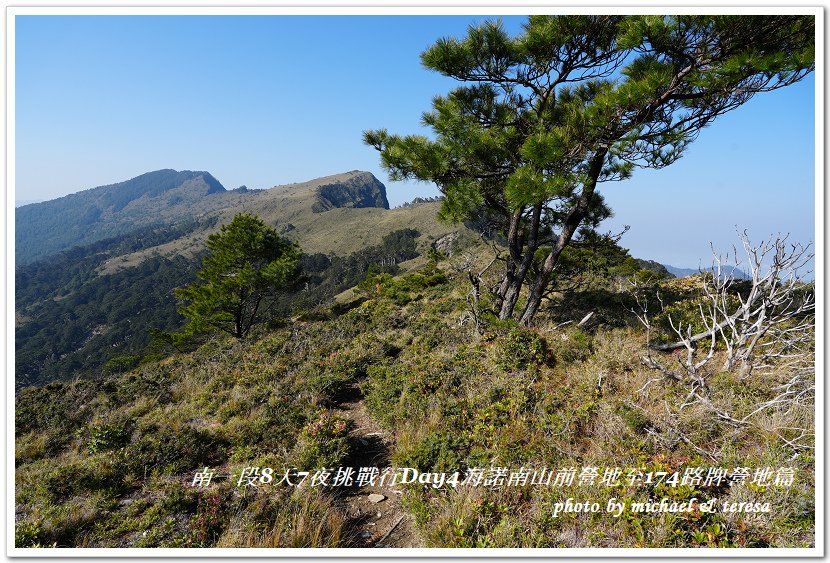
{"type": "Point", "coordinates": [543, 118]}
{"type": "Point", "coordinates": [248, 266]}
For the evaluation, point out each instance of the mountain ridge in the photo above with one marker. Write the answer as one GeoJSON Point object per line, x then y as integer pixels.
{"type": "Point", "coordinates": [727, 270]}
{"type": "Point", "coordinates": [167, 197]}
{"type": "Point", "coordinates": [79, 307]}
{"type": "Point", "coordinates": [84, 217]}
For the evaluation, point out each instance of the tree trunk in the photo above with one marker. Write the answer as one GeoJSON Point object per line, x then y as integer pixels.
{"type": "Point", "coordinates": [537, 290]}
{"type": "Point", "coordinates": [522, 253]}
{"type": "Point", "coordinates": [504, 286]}
{"type": "Point", "coordinates": [510, 299]}
{"type": "Point", "coordinates": [572, 222]}
{"type": "Point", "coordinates": [506, 289]}
{"type": "Point", "coordinates": [237, 324]}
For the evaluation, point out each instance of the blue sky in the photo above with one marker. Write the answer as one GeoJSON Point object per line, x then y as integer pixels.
{"type": "Point", "coordinates": [269, 100]}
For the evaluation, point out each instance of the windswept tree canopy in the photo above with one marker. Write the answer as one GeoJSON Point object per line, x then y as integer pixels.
{"type": "Point", "coordinates": [542, 118]}
{"type": "Point", "coordinates": [248, 266]}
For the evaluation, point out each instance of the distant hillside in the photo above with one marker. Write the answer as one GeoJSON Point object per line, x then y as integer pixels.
{"type": "Point", "coordinates": [654, 267]}
{"type": "Point", "coordinates": [154, 198]}
{"type": "Point", "coordinates": [22, 202]}
{"type": "Point", "coordinates": [339, 214]}
{"type": "Point", "coordinates": [167, 197]}
{"type": "Point", "coordinates": [80, 307]}
{"type": "Point", "coordinates": [727, 270]}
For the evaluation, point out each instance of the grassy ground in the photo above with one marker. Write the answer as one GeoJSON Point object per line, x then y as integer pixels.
{"type": "Point", "coordinates": [112, 463]}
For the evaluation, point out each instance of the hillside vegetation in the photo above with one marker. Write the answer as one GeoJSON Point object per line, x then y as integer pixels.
{"type": "Point", "coordinates": [166, 198]}
{"type": "Point", "coordinates": [112, 463]}
{"type": "Point", "coordinates": [154, 198]}
{"type": "Point", "coordinates": [81, 308]}
{"type": "Point", "coordinates": [514, 380]}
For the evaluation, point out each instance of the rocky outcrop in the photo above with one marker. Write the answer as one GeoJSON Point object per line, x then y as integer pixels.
{"type": "Point", "coordinates": [354, 189]}
{"type": "Point", "coordinates": [447, 244]}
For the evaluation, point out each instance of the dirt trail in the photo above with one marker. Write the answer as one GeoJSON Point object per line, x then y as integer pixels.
{"type": "Point", "coordinates": [371, 524]}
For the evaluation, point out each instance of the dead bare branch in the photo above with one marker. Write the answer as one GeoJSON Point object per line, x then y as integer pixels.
{"type": "Point", "coordinates": [763, 322]}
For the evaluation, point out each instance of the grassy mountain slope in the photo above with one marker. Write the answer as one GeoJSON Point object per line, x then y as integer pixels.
{"type": "Point", "coordinates": [168, 197]}
{"type": "Point", "coordinates": [297, 211]}
{"type": "Point", "coordinates": [154, 198]}
{"type": "Point", "coordinates": [78, 309]}
{"type": "Point", "coordinates": [113, 464]}
{"type": "Point", "coordinates": [339, 232]}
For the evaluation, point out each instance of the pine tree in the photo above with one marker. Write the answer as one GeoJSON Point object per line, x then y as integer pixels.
{"type": "Point", "coordinates": [249, 264]}
{"type": "Point", "coordinates": [574, 101]}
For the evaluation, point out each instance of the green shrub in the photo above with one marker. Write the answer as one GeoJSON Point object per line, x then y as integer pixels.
{"type": "Point", "coordinates": [521, 348]}
{"type": "Point", "coordinates": [382, 390]}
{"type": "Point", "coordinates": [26, 534]}
{"type": "Point", "coordinates": [438, 451]}
{"type": "Point", "coordinates": [274, 427]}
{"type": "Point", "coordinates": [573, 346]}
{"type": "Point", "coordinates": [435, 255]}
{"type": "Point", "coordinates": [105, 437]}
{"type": "Point", "coordinates": [58, 406]}
{"type": "Point", "coordinates": [151, 358]}
{"type": "Point", "coordinates": [323, 443]}
{"type": "Point", "coordinates": [82, 476]}
{"type": "Point", "coordinates": [161, 448]}
{"type": "Point", "coordinates": [120, 364]}
{"type": "Point", "coordinates": [634, 418]}
{"type": "Point", "coordinates": [400, 290]}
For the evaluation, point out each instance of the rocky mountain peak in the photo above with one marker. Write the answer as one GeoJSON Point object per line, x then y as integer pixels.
{"type": "Point", "coordinates": [351, 189]}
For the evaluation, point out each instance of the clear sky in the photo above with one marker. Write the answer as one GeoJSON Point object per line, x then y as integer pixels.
{"type": "Point", "coordinates": [269, 100]}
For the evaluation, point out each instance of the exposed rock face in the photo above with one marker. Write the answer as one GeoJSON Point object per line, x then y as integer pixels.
{"type": "Point", "coordinates": [447, 243]}
{"type": "Point", "coordinates": [355, 189]}
{"type": "Point", "coordinates": [168, 197]}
